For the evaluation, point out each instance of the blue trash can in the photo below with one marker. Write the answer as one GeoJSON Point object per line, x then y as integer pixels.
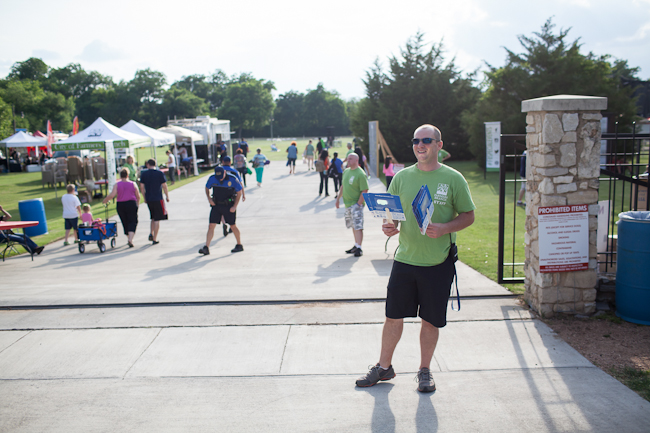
{"type": "Point", "coordinates": [633, 267]}
{"type": "Point", "coordinates": [33, 210]}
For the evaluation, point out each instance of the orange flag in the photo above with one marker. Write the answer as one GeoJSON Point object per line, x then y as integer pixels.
{"type": "Point", "coordinates": [75, 125]}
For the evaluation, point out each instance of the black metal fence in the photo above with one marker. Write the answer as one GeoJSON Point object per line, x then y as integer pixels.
{"type": "Point", "coordinates": [623, 187]}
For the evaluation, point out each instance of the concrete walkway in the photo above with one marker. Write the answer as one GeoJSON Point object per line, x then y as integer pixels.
{"type": "Point", "coordinates": [159, 338]}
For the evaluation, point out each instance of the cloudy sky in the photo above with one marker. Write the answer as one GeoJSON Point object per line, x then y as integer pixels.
{"type": "Point", "coordinates": [298, 44]}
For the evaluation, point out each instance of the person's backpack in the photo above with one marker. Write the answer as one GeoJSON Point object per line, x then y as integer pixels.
{"type": "Point", "coordinates": [320, 165]}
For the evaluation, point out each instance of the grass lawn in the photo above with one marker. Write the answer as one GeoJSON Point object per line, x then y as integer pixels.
{"type": "Point", "coordinates": [24, 186]}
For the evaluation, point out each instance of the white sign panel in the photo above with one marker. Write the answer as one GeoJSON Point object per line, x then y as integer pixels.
{"type": "Point", "coordinates": [563, 238]}
{"type": "Point", "coordinates": [492, 145]}
{"type": "Point", "coordinates": [603, 213]}
{"type": "Point", "coordinates": [110, 165]}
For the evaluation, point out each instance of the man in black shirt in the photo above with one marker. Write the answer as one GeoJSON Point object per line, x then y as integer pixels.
{"type": "Point", "coordinates": [152, 185]}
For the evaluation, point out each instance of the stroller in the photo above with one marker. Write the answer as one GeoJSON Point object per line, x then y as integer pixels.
{"type": "Point", "coordinates": [98, 232]}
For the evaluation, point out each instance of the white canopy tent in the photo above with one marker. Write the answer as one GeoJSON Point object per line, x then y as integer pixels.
{"type": "Point", "coordinates": [185, 135]}
{"type": "Point", "coordinates": [101, 135]}
{"type": "Point", "coordinates": [22, 140]}
{"type": "Point", "coordinates": [158, 138]}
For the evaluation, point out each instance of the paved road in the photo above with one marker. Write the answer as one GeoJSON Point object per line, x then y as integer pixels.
{"type": "Point", "coordinates": [273, 338]}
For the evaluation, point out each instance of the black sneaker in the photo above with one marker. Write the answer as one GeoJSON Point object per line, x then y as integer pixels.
{"type": "Point", "coordinates": [238, 248]}
{"type": "Point", "coordinates": [352, 250]}
{"type": "Point", "coordinates": [358, 253]}
{"type": "Point", "coordinates": [376, 374]}
{"type": "Point", "coordinates": [425, 381]}
{"type": "Point", "coordinates": [150, 237]}
{"type": "Point", "coordinates": [39, 250]}
{"type": "Point", "coordinates": [205, 250]}
{"type": "Point", "coordinates": [225, 229]}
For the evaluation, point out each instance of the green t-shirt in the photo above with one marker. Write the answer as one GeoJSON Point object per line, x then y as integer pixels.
{"type": "Point", "coordinates": [450, 195]}
{"type": "Point", "coordinates": [309, 151]}
{"type": "Point", "coordinates": [442, 154]}
{"type": "Point", "coordinates": [132, 171]}
{"type": "Point", "coordinates": [354, 181]}
{"type": "Point", "coordinates": [349, 152]}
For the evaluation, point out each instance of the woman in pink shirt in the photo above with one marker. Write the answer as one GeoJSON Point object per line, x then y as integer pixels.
{"type": "Point", "coordinates": [128, 199]}
{"type": "Point", "coordinates": [388, 170]}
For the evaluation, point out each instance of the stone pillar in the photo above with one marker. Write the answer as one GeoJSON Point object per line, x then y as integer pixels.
{"type": "Point", "coordinates": [562, 168]}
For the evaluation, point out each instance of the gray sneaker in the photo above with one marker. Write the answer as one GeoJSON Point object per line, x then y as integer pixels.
{"type": "Point", "coordinates": [376, 374]}
{"type": "Point", "coordinates": [425, 381]}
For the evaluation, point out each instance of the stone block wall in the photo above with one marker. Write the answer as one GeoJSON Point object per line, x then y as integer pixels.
{"type": "Point", "coordinates": [562, 168]}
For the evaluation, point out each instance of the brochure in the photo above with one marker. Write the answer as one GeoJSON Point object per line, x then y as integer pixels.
{"type": "Point", "coordinates": [423, 208]}
{"type": "Point", "coordinates": [385, 206]}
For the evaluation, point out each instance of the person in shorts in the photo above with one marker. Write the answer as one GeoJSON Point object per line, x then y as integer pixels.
{"type": "Point", "coordinates": [71, 213]}
{"type": "Point", "coordinates": [292, 155]}
{"type": "Point", "coordinates": [152, 185]}
{"type": "Point", "coordinates": [226, 194]}
{"type": "Point", "coordinates": [423, 269]}
{"type": "Point", "coordinates": [355, 183]}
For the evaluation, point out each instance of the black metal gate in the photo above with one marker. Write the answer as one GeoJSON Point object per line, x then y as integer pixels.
{"type": "Point", "coordinates": [623, 185]}
{"type": "Point", "coordinates": [511, 229]}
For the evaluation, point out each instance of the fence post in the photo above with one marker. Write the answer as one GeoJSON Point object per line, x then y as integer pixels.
{"type": "Point", "coordinates": [563, 165]}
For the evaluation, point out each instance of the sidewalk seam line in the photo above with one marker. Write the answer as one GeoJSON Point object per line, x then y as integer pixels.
{"type": "Point", "coordinates": [29, 331]}
{"type": "Point", "coordinates": [284, 349]}
{"type": "Point", "coordinates": [142, 353]}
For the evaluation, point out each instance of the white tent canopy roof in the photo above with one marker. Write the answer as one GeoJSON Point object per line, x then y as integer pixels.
{"type": "Point", "coordinates": [94, 137]}
{"type": "Point", "coordinates": [159, 138]}
{"type": "Point", "coordinates": [22, 139]}
{"type": "Point", "coordinates": [182, 133]}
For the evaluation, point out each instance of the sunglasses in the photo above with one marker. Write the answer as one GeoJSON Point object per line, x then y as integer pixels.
{"type": "Point", "coordinates": [426, 140]}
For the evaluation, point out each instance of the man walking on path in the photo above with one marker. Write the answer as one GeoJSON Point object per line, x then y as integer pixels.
{"type": "Point", "coordinates": [309, 155]}
{"type": "Point", "coordinates": [424, 268]}
{"type": "Point", "coordinates": [230, 171]}
{"type": "Point", "coordinates": [292, 155]}
{"type": "Point", "coordinates": [152, 185]}
{"type": "Point", "coordinates": [226, 193]}
{"type": "Point", "coordinates": [355, 183]}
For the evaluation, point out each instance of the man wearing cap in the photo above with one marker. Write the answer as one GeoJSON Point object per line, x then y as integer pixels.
{"type": "Point", "coordinates": [230, 171]}
{"type": "Point", "coordinates": [226, 193]}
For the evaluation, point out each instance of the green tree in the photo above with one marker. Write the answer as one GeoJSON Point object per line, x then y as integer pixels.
{"type": "Point", "coordinates": [419, 87]}
{"type": "Point", "coordinates": [34, 106]}
{"type": "Point", "coordinates": [73, 80]}
{"type": "Point", "coordinates": [248, 103]}
{"type": "Point", "coordinates": [548, 65]}
{"type": "Point", "coordinates": [182, 103]}
{"type": "Point", "coordinates": [323, 109]}
{"type": "Point", "coordinates": [6, 122]}
{"type": "Point", "coordinates": [31, 69]}
{"type": "Point", "coordinates": [211, 88]}
{"type": "Point", "coordinates": [288, 115]}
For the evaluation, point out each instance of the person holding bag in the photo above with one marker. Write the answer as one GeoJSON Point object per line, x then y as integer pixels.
{"type": "Point", "coordinates": [259, 161]}
{"type": "Point", "coordinates": [322, 166]}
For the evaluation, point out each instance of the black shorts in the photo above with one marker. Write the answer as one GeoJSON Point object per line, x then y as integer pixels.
{"type": "Point", "coordinates": [157, 210]}
{"type": "Point", "coordinates": [291, 161]}
{"type": "Point", "coordinates": [71, 223]}
{"type": "Point", "coordinates": [426, 287]}
{"type": "Point", "coordinates": [222, 210]}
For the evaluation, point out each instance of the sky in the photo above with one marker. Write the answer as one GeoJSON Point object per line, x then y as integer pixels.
{"type": "Point", "coordinates": [299, 44]}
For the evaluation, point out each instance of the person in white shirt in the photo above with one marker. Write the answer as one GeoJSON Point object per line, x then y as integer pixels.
{"type": "Point", "coordinates": [71, 213]}
{"type": "Point", "coordinates": [171, 166]}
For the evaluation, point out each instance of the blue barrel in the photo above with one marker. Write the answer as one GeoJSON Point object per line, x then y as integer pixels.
{"type": "Point", "coordinates": [633, 267]}
{"type": "Point", "coordinates": [33, 210]}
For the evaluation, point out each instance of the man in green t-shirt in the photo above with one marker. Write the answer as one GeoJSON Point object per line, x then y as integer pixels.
{"type": "Point", "coordinates": [443, 155]}
{"type": "Point", "coordinates": [354, 184]}
{"type": "Point", "coordinates": [423, 269]}
{"type": "Point", "coordinates": [350, 151]}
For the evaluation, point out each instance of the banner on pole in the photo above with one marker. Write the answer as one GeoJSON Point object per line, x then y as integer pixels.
{"type": "Point", "coordinates": [492, 145]}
